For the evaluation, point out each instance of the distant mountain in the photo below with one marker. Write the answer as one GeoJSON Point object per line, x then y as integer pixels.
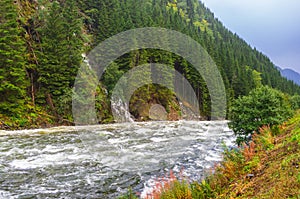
{"type": "Point", "coordinates": [290, 75]}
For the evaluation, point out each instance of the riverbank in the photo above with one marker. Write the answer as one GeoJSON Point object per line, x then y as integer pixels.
{"type": "Point", "coordinates": [32, 120]}
{"type": "Point", "coordinates": [267, 168]}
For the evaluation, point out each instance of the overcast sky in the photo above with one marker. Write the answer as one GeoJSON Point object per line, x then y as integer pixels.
{"type": "Point", "coordinates": [272, 26]}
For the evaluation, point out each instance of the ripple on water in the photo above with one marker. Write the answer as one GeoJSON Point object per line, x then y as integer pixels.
{"type": "Point", "coordinates": [102, 161]}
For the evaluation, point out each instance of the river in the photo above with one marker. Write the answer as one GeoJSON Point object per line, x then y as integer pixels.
{"type": "Point", "coordinates": [103, 161]}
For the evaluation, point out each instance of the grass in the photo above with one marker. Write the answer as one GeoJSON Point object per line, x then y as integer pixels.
{"type": "Point", "coordinates": [266, 168]}
{"type": "Point", "coordinates": [171, 187]}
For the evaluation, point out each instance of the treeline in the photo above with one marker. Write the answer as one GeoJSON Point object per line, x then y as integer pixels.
{"type": "Point", "coordinates": [42, 43]}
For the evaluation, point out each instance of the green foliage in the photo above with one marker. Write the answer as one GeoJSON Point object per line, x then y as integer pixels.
{"type": "Point", "coordinates": [256, 78]}
{"type": "Point", "coordinates": [64, 103]}
{"type": "Point", "coordinates": [60, 56]}
{"type": "Point", "coordinates": [295, 102]}
{"type": "Point", "coordinates": [13, 82]}
{"type": "Point", "coordinates": [177, 190]}
{"type": "Point", "coordinates": [103, 106]}
{"type": "Point", "coordinates": [202, 190]}
{"type": "Point", "coordinates": [128, 195]}
{"type": "Point", "coordinates": [233, 155]}
{"type": "Point", "coordinates": [252, 164]}
{"type": "Point", "coordinates": [263, 106]}
{"type": "Point", "coordinates": [111, 76]}
{"type": "Point", "coordinates": [41, 43]}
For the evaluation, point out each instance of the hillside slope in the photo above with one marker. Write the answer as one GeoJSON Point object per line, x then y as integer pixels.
{"type": "Point", "coordinates": [291, 75]}
{"type": "Point", "coordinates": [50, 38]}
{"type": "Point", "coordinates": [271, 169]}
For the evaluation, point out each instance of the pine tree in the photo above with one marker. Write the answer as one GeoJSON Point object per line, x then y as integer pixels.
{"type": "Point", "coordinates": [13, 80]}
{"type": "Point", "coordinates": [60, 57]}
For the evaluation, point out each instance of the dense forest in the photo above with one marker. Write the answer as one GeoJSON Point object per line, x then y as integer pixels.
{"type": "Point", "coordinates": [43, 43]}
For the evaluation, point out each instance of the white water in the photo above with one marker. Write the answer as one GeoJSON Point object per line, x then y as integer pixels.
{"type": "Point", "coordinates": [120, 111]}
{"type": "Point", "coordinates": [103, 161]}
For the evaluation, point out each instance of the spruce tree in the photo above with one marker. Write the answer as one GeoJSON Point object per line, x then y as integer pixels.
{"type": "Point", "coordinates": [13, 80]}
{"type": "Point", "coordinates": [60, 56]}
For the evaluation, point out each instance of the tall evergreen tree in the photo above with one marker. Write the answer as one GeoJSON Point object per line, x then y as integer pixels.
{"type": "Point", "coordinates": [13, 80]}
{"type": "Point", "coordinates": [60, 56]}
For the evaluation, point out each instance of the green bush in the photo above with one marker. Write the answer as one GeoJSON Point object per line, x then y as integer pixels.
{"type": "Point", "coordinates": [202, 190]}
{"type": "Point", "coordinates": [263, 106]}
{"type": "Point", "coordinates": [295, 102]}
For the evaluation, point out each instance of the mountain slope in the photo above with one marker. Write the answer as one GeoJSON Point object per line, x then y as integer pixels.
{"type": "Point", "coordinates": [291, 75]}
{"type": "Point", "coordinates": [57, 33]}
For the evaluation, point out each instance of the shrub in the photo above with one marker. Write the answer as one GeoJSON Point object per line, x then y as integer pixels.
{"type": "Point", "coordinates": [295, 102]}
{"type": "Point", "coordinates": [263, 106]}
{"type": "Point", "coordinates": [171, 188]}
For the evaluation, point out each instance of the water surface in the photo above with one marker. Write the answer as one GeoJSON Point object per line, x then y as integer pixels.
{"type": "Point", "coordinates": [103, 161]}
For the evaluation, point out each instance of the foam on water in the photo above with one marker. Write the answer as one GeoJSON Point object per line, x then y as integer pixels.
{"type": "Point", "coordinates": [103, 161]}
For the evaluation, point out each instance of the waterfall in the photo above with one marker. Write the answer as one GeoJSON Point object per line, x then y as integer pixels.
{"type": "Point", "coordinates": [120, 111]}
